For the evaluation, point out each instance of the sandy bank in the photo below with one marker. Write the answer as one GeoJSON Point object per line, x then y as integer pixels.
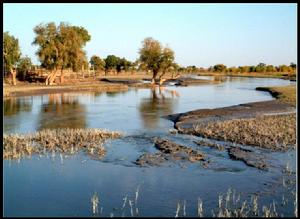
{"type": "Point", "coordinates": [26, 90]}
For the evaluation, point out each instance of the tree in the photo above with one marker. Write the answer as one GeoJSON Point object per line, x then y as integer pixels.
{"type": "Point", "coordinates": [60, 47]}
{"type": "Point", "coordinates": [97, 63]}
{"type": "Point", "coordinates": [24, 65]}
{"type": "Point", "coordinates": [111, 63]}
{"type": "Point", "coordinates": [124, 64]}
{"type": "Point", "coordinates": [166, 61]}
{"type": "Point", "coordinates": [11, 54]}
{"type": "Point", "coordinates": [261, 67]}
{"type": "Point", "coordinates": [293, 66]}
{"type": "Point", "coordinates": [219, 68]}
{"type": "Point", "coordinates": [270, 68]}
{"type": "Point", "coordinates": [243, 69]}
{"type": "Point", "coordinates": [233, 70]}
{"type": "Point", "coordinates": [150, 55]}
{"type": "Point", "coordinates": [156, 58]}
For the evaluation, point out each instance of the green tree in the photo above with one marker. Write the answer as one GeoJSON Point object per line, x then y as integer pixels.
{"type": "Point", "coordinates": [97, 63]}
{"type": "Point", "coordinates": [166, 62]}
{"type": "Point", "coordinates": [156, 58]}
{"type": "Point", "coordinates": [244, 69]}
{"type": "Point", "coordinates": [125, 64]}
{"type": "Point", "coordinates": [11, 54]}
{"type": "Point", "coordinates": [112, 62]}
{"type": "Point", "coordinates": [252, 68]}
{"type": "Point", "coordinates": [261, 67]}
{"type": "Point", "coordinates": [24, 65]}
{"type": "Point", "coordinates": [233, 70]}
{"type": "Point", "coordinates": [270, 68]}
{"type": "Point", "coordinates": [150, 55]}
{"type": "Point", "coordinates": [219, 68]}
{"type": "Point", "coordinates": [60, 47]}
{"type": "Point", "coordinates": [293, 66]}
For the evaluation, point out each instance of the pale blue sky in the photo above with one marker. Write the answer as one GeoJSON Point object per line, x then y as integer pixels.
{"type": "Point", "coordinates": [200, 34]}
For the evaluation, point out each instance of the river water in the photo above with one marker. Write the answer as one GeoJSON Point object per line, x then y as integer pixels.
{"type": "Point", "coordinates": [64, 185]}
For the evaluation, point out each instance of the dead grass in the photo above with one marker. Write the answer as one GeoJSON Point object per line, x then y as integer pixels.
{"type": "Point", "coordinates": [286, 94]}
{"type": "Point", "coordinates": [276, 132]}
{"type": "Point", "coordinates": [67, 141]}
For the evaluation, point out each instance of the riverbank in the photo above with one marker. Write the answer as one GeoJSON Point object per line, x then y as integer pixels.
{"type": "Point", "coordinates": [255, 124]}
{"type": "Point", "coordinates": [281, 75]}
{"type": "Point", "coordinates": [39, 89]}
{"type": "Point", "coordinates": [103, 84]}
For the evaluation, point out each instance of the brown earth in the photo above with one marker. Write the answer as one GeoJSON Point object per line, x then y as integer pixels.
{"type": "Point", "coordinates": [169, 151]}
{"type": "Point", "coordinates": [37, 89]}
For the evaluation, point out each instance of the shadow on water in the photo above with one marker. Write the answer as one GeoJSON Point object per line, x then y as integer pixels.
{"type": "Point", "coordinates": [161, 102]}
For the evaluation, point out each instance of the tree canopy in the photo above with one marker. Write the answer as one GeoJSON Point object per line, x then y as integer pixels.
{"type": "Point", "coordinates": [154, 57]}
{"type": "Point", "coordinates": [24, 65]}
{"type": "Point", "coordinates": [11, 51]}
{"type": "Point", "coordinates": [97, 63]}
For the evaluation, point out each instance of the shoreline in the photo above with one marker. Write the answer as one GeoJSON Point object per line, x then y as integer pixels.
{"type": "Point", "coordinates": [253, 124]}
{"type": "Point", "coordinates": [36, 89]}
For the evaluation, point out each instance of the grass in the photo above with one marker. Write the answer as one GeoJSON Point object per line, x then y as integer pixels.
{"type": "Point", "coordinates": [286, 94]}
{"type": "Point", "coordinates": [67, 141]}
{"type": "Point", "coordinates": [262, 131]}
{"type": "Point", "coordinates": [229, 204]}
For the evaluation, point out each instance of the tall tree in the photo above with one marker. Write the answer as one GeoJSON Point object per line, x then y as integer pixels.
{"type": "Point", "coordinates": [60, 47]}
{"type": "Point", "coordinates": [112, 63]}
{"type": "Point", "coordinates": [150, 55]}
{"type": "Point", "coordinates": [219, 68]}
{"type": "Point", "coordinates": [166, 61]}
{"type": "Point", "coordinates": [11, 54]}
{"type": "Point", "coordinates": [156, 58]}
{"type": "Point", "coordinates": [97, 63]}
{"type": "Point", "coordinates": [23, 66]}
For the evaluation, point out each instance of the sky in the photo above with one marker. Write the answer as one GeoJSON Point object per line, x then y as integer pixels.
{"type": "Point", "coordinates": [200, 34]}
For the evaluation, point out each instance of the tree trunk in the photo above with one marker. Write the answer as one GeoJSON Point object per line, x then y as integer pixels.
{"type": "Point", "coordinates": [161, 80]}
{"type": "Point", "coordinates": [62, 76]}
{"type": "Point", "coordinates": [51, 77]}
{"type": "Point", "coordinates": [14, 76]}
{"type": "Point", "coordinates": [154, 76]}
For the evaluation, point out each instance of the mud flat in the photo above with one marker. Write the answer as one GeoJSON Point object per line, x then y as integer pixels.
{"type": "Point", "coordinates": [266, 124]}
{"type": "Point", "coordinates": [169, 150]}
{"type": "Point", "coordinates": [186, 81]}
{"type": "Point", "coordinates": [26, 90]}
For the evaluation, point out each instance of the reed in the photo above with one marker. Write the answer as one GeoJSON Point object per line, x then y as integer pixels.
{"type": "Point", "coordinates": [62, 141]}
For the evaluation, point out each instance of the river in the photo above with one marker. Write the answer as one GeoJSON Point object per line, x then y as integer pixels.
{"type": "Point", "coordinates": [63, 185]}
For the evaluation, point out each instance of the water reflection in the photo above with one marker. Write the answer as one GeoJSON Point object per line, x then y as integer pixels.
{"type": "Point", "coordinates": [62, 111]}
{"type": "Point", "coordinates": [160, 103]}
{"type": "Point", "coordinates": [14, 106]}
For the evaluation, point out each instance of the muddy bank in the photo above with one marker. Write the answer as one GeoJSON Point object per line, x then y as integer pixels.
{"type": "Point", "coordinates": [248, 157]}
{"type": "Point", "coordinates": [146, 83]}
{"type": "Point", "coordinates": [169, 151]}
{"type": "Point", "coordinates": [186, 81]}
{"type": "Point", "coordinates": [285, 94]}
{"type": "Point", "coordinates": [28, 90]}
{"type": "Point", "coordinates": [247, 124]}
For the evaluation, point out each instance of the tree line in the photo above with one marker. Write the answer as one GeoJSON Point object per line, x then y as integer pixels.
{"type": "Point", "coordinates": [61, 47]}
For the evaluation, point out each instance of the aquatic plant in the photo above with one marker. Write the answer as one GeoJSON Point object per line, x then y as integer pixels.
{"type": "Point", "coordinates": [261, 131]}
{"type": "Point", "coordinates": [62, 141]}
{"type": "Point", "coordinates": [95, 202]}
